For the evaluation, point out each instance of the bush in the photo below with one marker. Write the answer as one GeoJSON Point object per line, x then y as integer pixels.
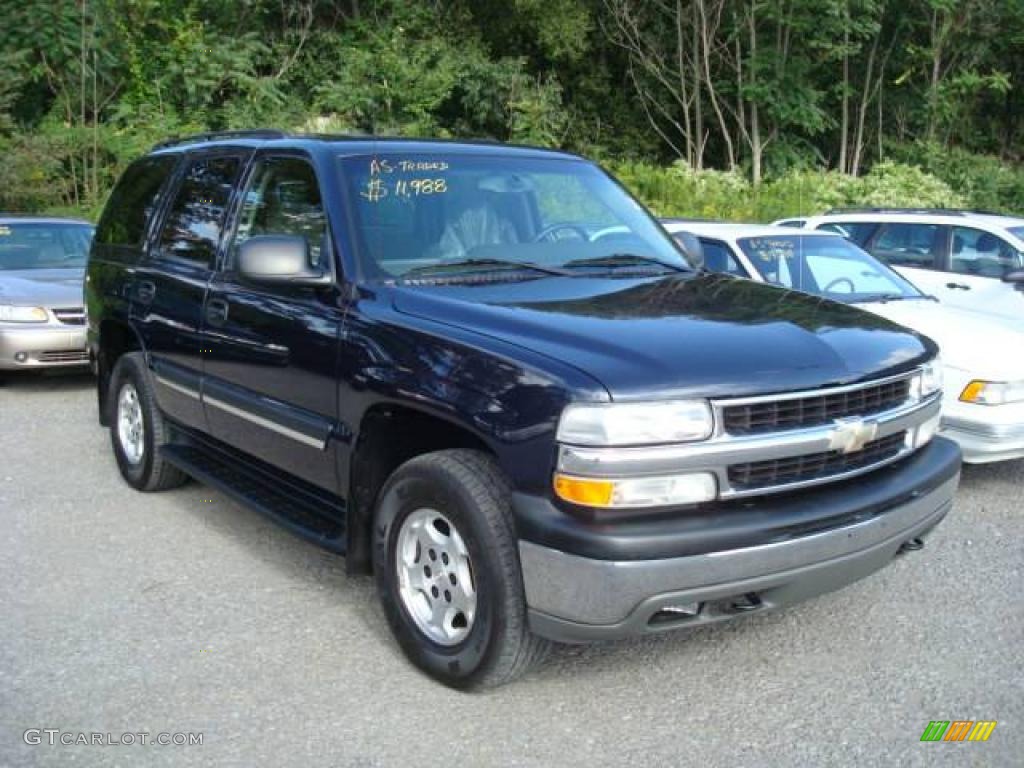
{"type": "Point", "coordinates": [984, 180]}
{"type": "Point", "coordinates": [682, 191]}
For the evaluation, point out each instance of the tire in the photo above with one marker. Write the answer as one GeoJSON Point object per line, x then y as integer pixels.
{"type": "Point", "coordinates": [131, 395]}
{"type": "Point", "coordinates": [464, 492]}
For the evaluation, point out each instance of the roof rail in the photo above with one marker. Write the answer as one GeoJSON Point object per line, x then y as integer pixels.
{"type": "Point", "coordinates": [891, 209]}
{"type": "Point", "coordinates": [257, 133]}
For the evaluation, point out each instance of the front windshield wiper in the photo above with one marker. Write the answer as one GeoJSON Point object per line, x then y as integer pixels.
{"type": "Point", "coordinates": [883, 298]}
{"type": "Point", "coordinates": [624, 260]}
{"type": "Point", "coordinates": [483, 264]}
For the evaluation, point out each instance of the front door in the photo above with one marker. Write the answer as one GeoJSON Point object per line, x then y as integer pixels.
{"type": "Point", "coordinates": [169, 285]}
{"type": "Point", "coordinates": [270, 386]}
{"type": "Point", "coordinates": [916, 250]}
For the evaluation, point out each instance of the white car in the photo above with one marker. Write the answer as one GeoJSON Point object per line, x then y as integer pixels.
{"type": "Point", "coordinates": [965, 259]}
{"type": "Point", "coordinates": [983, 407]}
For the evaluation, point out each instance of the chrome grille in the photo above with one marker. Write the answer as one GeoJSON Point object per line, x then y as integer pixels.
{"type": "Point", "coordinates": [817, 466]}
{"type": "Point", "coordinates": [813, 410]}
{"type": "Point", "coordinates": [70, 315]}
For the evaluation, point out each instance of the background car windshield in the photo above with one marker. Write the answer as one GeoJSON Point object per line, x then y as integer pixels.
{"type": "Point", "coordinates": [826, 266]}
{"type": "Point", "coordinates": [34, 245]}
{"type": "Point", "coordinates": [416, 212]}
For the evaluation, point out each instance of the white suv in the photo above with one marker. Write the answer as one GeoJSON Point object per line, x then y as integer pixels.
{"type": "Point", "coordinates": [965, 259]}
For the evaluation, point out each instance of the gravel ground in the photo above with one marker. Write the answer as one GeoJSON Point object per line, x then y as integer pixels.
{"type": "Point", "coordinates": [182, 612]}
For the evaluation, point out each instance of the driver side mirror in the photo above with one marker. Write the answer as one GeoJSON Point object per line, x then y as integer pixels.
{"type": "Point", "coordinates": [1016, 278]}
{"type": "Point", "coordinates": [691, 248]}
{"type": "Point", "coordinates": [279, 260]}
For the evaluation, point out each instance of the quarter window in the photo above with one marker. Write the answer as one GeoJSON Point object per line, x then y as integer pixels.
{"type": "Point", "coordinates": [983, 254]}
{"type": "Point", "coordinates": [718, 258]}
{"type": "Point", "coordinates": [194, 224]}
{"type": "Point", "coordinates": [283, 198]}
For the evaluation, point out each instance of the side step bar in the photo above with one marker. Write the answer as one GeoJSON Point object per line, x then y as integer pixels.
{"type": "Point", "coordinates": [298, 511]}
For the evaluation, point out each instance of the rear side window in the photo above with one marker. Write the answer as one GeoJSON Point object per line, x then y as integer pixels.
{"type": "Point", "coordinates": [983, 254]}
{"type": "Point", "coordinates": [133, 201]}
{"type": "Point", "coordinates": [196, 219]}
{"type": "Point", "coordinates": [908, 245]}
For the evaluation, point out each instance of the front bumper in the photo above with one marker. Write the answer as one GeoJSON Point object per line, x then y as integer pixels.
{"type": "Point", "coordinates": [575, 597]}
{"type": "Point", "coordinates": [986, 433]}
{"type": "Point", "coordinates": [42, 346]}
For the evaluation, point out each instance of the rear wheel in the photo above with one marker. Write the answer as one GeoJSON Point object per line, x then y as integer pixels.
{"type": "Point", "coordinates": [447, 569]}
{"type": "Point", "coordinates": [137, 429]}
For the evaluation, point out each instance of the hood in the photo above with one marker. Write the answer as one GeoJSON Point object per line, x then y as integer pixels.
{"type": "Point", "coordinates": [974, 342]}
{"type": "Point", "coordinates": [685, 335]}
{"type": "Point", "coordinates": [43, 287]}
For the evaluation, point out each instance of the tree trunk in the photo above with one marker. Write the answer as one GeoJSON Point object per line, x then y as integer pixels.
{"type": "Point", "coordinates": [845, 119]}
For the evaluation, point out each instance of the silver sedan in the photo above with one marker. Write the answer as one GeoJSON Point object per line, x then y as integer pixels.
{"type": "Point", "coordinates": [42, 315]}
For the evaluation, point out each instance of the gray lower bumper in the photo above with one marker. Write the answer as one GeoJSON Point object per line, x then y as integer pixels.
{"type": "Point", "coordinates": [982, 443]}
{"type": "Point", "coordinates": [45, 346]}
{"type": "Point", "coordinates": [578, 599]}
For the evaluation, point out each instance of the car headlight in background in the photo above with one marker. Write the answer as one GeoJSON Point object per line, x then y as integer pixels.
{"type": "Point", "coordinates": [12, 314]}
{"type": "Point", "coordinates": [622, 424]}
{"type": "Point", "coordinates": [993, 392]}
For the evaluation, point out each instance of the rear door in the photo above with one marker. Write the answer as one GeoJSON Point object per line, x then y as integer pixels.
{"type": "Point", "coordinates": [169, 286]}
{"type": "Point", "coordinates": [270, 385]}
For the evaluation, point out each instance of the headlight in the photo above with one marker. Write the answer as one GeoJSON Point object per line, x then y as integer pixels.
{"type": "Point", "coordinates": [928, 381]}
{"type": "Point", "coordinates": [993, 392]}
{"type": "Point", "coordinates": [11, 314]}
{"type": "Point", "coordinates": [619, 424]}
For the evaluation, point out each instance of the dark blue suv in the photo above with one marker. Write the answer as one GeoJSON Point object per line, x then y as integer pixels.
{"type": "Point", "coordinates": [486, 375]}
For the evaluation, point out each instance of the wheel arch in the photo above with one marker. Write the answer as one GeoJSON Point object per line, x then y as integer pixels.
{"type": "Point", "coordinates": [116, 338]}
{"type": "Point", "coordinates": [389, 435]}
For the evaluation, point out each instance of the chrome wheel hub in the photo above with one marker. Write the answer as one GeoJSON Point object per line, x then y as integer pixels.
{"type": "Point", "coordinates": [131, 432]}
{"type": "Point", "coordinates": [435, 577]}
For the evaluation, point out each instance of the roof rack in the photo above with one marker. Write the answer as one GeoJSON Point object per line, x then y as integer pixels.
{"type": "Point", "coordinates": [258, 133]}
{"type": "Point", "coordinates": [890, 209]}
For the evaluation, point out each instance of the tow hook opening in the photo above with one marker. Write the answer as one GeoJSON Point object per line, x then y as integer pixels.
{"type": "Point", "coordinates": [915, 544]}
{"type": "Point", "coordinates": [673, 614]}
{"type": "Point", "coordinates": [751, 601]}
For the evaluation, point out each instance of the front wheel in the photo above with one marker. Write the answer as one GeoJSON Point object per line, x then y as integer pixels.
{"type": "Point", "coordinates": [447, 569]}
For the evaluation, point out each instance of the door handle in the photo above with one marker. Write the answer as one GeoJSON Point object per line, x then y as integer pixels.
{"type": "Point", "coordinates": [145, 291]}
{"type": "Point", "coordinates": [216, 311]}
{"type": "Point", "coordinates": [960, 286]}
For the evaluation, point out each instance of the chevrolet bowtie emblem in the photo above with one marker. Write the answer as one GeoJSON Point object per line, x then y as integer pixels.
{"type": "Point", "coordinates": [851, 435]}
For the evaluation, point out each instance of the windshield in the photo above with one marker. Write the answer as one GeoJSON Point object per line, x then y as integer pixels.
{"type": "Point", "coordinates": [826, 266]}
{"type": "Point", "coordinates": [38, 245]}
{"type": "Point", "coordinates": [1017, 232]}
{"type": "Point", "coordinates": [449, 212]}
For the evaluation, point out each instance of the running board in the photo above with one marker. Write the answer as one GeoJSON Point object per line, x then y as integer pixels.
{"type": "Point", "coordinates": [297, 510]}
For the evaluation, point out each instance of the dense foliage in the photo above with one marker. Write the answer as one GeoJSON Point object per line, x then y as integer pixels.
{"type": "Point", "coordinates": [797, 104]}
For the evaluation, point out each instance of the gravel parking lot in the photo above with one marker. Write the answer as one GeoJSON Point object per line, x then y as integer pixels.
{"type": "Point", "coordinates": [182, 612]}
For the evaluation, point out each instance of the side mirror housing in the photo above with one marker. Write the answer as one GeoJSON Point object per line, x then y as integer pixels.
{"type": "Point", "coordinates": [692, 249]}
{"type": "Point", "coordinates": [1016, 278]}
{"type": "Point", "coordinates": [279, 260]}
